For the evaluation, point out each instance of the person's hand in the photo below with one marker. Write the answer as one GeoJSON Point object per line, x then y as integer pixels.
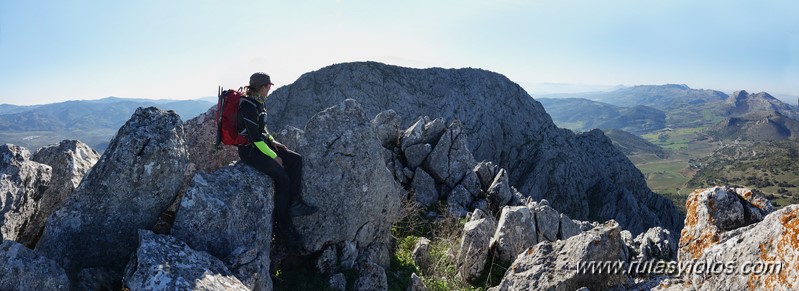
{"type": "Point", "coordinates": [279, 161]}
{"type": "Point", "coordinates": [280, 145]}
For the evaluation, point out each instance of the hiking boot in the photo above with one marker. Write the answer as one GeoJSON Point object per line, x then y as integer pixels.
{"type": "Point", "coordinates": [299, 208]}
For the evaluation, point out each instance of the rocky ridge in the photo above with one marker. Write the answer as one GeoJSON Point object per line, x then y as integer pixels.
{"type": "Point", "coordinates": [503, 124]}
{"type": "Point", "coordinates": [356, 169]}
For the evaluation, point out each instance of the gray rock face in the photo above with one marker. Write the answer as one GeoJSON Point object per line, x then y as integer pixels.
{"type": "Point", "coordinates": [23, 269]}
{"type": "Point", "coordinates": [165, 263]}
{"type": "Point", "coordinates": [547, 223]}
{"type": "Point", "coordinates": [712, 211]}
{"type": "Point", "coordinates": [137, 177]}
{"type": "Point", "coordinates": [371, 277]}
{"type": "Point", "coordinates": [770, 247]}
{"type": "Point", "coordinates": [474, 246]}
{"type": "Point", "coordinates": [70, 161]}
{"type": "Point", "coordinates": [515, 233]}
{"type": "Point", "coordinates": [338, 282]}
{"type": "Point", "coordinates": [228, 214]}
{"type": "Point", "coordinates": [451, 159]}
{"type": "Point", "coordinates": [386, 126]}
{"type": "Point", "coordinates": [425, 188]}
{"type": "Point", "coordinates": [568, 228]}
{"type": "Point", "coordinates": [656, 243]}
{"type": "Point", "coordinates": [346, 177]}
{"type": "Point", "coordinates": [458, 201]}
{"type": "Point", "coordinates": [416, 154]}
{"type": "Point", "coordinates": [23, 183]}
{"type": "Point", "coordinates": [553, 266]}
{"type": "Point", "coordinates": [584, 173]}
{"type": "Point", "coordinates": [201, 143]}
{"type": "Point", "coordinates": [499, 193]}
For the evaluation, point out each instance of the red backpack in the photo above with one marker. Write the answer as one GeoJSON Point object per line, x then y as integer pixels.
{"type": "Point", "coordinates": [227, 110]}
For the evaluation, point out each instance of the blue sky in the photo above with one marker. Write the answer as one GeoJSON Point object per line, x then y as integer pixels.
{"type": "Point", "coordinates": [64, 50]}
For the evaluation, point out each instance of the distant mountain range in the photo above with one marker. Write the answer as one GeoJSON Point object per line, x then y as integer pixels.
{"type": "Point", "coordinates": [647, 109]}
{"type": "Point", "coordinates": [91, 121]}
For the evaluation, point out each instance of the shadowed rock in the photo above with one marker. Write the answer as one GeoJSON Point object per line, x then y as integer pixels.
{"type": "Point", "coordinates": [201, 143]}
{"type": "Point", "coordinates": [23, 184]}
{"type": "Point", "coordinates": [137, 177]}
{"type": "Point", "coordinates": [23, 269]}
{"type": "Point", "coordinates": [228, 213]}
{"type": "Point", "coordinates": [165, 263]}
{"type": "Point", "coordinates": [554, 265]}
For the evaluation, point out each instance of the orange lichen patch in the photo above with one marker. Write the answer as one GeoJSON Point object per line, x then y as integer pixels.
{"type": "Point", "coordinates": [753, 282]}
{"type": "Point", "coordinates": [791, 223]}
{"type": "Point", "coordinates": [755, 201]}
{"type": "Point", "coordinates": [787, 251]}
{"type": "Point", "coordinates": [693, 240]}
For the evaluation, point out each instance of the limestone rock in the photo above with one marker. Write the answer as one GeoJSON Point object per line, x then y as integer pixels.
{"type": "Point", "coordinates": [201, 143]}
{"type": "Point", "coordinates": [712, 211]}
{"type": "Point", "coordinates": [165, 263]}
{"type": "Point", "coordinates": [553, 265]}
{"type": "Point", "coordinates": [23, 183]}
{"type": "Point", "coordinates": [451, 158]}
{"type": "Point", "coordinates": [23, 269]}
{"type": "Point", "coordinates": [416, 154]}
{"type": "Point", "coordinates": [474, 247]}
{"type": "Point", "coordinates": [458, 201]}
{"type": "Point", "coordinates": [70, 161]}
{"type": "Point", "coordinates": [486, 172]}
{"type": "Point", "coordinates": [424, 188]}
{"type": "Point", "coordinates": [568, 228]}
{"type": "Point", "coordinates": [499, 193]}
{"type": "Point", "coordinates": [386, 126]}
{"type": "Point", "coordinates": [371, 277]}
{"type": "Point", "coordinates": [228, 213]}
{"type": "Point", "coordinates": [547, 223]}
{"type": "Point", "coordinates": [770, 248]}
{"type": "Point", "coordinates": [327, 261]}
{"type": "Point", "coordinates": [503, 124]}
{"type": "Point", "coordinates": [346, 177]}
{"type": "Point", "coordinates": [515, 233]}
{"type": "Point", "coordinates": [137, 177]}
{"type": "Point", "coordinates": [656, 243]}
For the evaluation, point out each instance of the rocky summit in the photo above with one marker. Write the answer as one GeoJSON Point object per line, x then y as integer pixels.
{"type": "Point", "coordinates": [369, 165]}
{"type": "Point", "coordinates": [583, 175]}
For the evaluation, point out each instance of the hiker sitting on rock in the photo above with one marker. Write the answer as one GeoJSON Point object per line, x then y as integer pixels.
{"type": "Point", "coordinates": [273, 158]}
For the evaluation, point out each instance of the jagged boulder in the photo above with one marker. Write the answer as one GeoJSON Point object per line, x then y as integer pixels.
{"type": "Point", "coordinates": [769, 250]}
{"type": "Point", "coordinates": [554, 265]}
{"type": "Point", "coordinates": [451, 159]}
{"type": "Point", "coordinates": [386, 126]}
{"type": "Point", "coordinates": [228, 213]}
{"type": "Point", "coordinates": [424, 188]}
{"type": "Point", "coordinates": [165, 263]}
{"type": "Point", "coordinates": [70, 160]}
{"type": "Point", "coordinates": [346, 177]}
{"type": "Point", "coordinates": [24, 269]}
{"type": "Point", "coordinates": [712, 211]}
{"type": "Point", "coordinates": [499, 193]}
{"type": "Point", "coordinates": [515, 233]}
{"type": "Point", "coordinates": [474, 248]}
{"type": "Point", "coordinates": [23, 183]}
{"type": "Point", "coordinates": [657, 243]}
{"type": "Point", "coordinates": [588, 177]}
{"type": "Point", "coordinates": [201, 143]}
{"type": "Point", "coordinates": [547, 223]}
{"type": "Point", "coordinates": [371, 277]}
{"type": "Point", "coordinates": [137, 177]}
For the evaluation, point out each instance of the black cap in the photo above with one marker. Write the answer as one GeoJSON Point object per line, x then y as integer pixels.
{"type": "Point", "coordinates": [259, 79]}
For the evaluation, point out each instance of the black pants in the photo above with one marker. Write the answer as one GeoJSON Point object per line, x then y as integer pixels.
{"type": "Point", "coordinates": [287, 179]}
